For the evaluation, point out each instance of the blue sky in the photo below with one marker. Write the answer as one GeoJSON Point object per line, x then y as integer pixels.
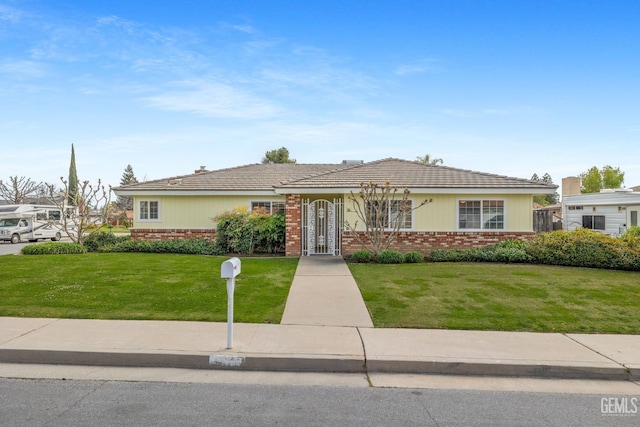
{"type": "Point", "coordinates": [506, 87]}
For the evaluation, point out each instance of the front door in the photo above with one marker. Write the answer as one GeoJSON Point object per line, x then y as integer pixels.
{"type": "Point", "coordinates": [321, 227]}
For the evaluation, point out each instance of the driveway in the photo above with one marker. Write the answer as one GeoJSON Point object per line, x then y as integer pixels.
{"type": "Point", "coordinates": [7, 248]}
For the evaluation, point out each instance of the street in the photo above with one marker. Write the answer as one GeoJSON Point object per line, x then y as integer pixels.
{"type": "Point", "coordinates": [7, 248]}
{"type": "Point", "coordinates": [259, 398]}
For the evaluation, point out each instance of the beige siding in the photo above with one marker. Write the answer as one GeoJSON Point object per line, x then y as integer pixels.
{"type": "Point", "coordinates": [185, 212]}
{"type": "Point", "coordinates": [441, 213]}
{"type": "Point", "coordinates": [195, 211]}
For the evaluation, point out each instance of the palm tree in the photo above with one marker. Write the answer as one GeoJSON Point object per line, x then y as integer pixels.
{"type": "Point", "coordinates": [427, 160]}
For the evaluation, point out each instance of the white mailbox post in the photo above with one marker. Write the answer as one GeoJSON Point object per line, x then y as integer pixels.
{"type": "Point", "coordinates": [229, 270]}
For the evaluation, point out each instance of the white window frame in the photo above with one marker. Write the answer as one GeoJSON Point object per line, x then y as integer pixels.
{"type": "Point", "coordinates": [140, 210]}
{"type": "Point", "coordinates": [270, 202]}
{"type": "Point", "coordinates": [483, 219]}
{"type": "Point", "coordinates": [389, 215]}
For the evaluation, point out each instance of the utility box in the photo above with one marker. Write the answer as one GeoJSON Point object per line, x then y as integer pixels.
{"type": "Point", "coordinates": [230, 268]}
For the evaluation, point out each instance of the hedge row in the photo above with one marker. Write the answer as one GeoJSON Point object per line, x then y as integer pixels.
{"type": "Point", "coordinates": [54, 248]}
{"type": "Point", "coordinates": [386, 257]}
{"type": "Point", "coordinates": [578, 248]}
{"type": "Point", "coordinates": [184, 246]}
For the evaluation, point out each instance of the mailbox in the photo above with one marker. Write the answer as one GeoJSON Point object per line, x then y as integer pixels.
{"type": "Point", "coordinates": [230, 268]}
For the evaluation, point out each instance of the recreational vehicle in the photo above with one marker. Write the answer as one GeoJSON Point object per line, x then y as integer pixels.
{"type": "Point", "coordinates": [29, 222]}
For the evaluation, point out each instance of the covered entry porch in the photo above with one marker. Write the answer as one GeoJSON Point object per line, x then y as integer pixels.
{"type": "Point", "coordinates": [321, 225]}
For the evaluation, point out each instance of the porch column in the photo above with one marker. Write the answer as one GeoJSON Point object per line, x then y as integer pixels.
{"type": "Point", "coordinates": [293, 227]}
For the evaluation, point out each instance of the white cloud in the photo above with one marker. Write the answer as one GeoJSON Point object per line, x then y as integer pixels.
{"type": "Point", "coordinates": [427, 66]}
{"type": "Point", "coordinates": [10, 14]}
{"type": "Point", "coordinates": [484, 112]}
{"type": "Point", "coordinates": [213, 99]}
{"type": "Point", "coordinates": [22, 69]}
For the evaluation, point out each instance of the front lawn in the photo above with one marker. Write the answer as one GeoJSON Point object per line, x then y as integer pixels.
{"type": "Point", "coordinates": [142, 286]}
{"type": "Point", "coordinates": [506, 297]}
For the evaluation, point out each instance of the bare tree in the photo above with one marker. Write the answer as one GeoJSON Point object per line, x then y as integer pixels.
{"type": "Point", "coordinates": [17, 190]}
{"type": "Point", "coordinates": [383, 210]}
{"type": "Point", "coordinates": [86, 210]}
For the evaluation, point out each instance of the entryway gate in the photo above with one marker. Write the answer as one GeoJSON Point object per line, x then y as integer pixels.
{"type": "Point", "coordinates": [321, 227]}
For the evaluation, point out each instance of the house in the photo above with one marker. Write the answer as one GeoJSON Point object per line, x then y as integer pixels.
{"type": "Point", "coordinates": [468, 209]}
{"type": "Point", "coordinates": [609, 211]}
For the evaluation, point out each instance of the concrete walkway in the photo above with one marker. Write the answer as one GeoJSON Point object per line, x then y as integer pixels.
{"type": "Point", "coordinates": [325, 328]}
{"type": "Point", "coordinates": [324, 293]}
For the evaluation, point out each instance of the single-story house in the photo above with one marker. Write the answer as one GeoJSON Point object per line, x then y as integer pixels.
{"type": "Point", "coordinates": [609, 211]}
{"type": "Point", "coordinates": [468, 209]}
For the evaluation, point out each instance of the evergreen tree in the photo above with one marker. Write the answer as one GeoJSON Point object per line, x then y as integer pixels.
{"type": "Point", "coordinates": [72, 194]}
{"type": "Point", "coordinates": [545, 199]}
{"type": "Point", "coordinates": [128, 177]}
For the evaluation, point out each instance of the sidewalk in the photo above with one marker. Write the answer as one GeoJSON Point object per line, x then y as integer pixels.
{"type": "Point", "coordinates": [320, 345]}
{"type": "Point", "coordinates": [324, 293]}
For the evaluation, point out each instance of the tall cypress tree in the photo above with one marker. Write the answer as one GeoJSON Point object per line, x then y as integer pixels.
{"type": "Point", "coordinates": [72, 187]}
{"type": "Point", "coordinates": [128, 177]}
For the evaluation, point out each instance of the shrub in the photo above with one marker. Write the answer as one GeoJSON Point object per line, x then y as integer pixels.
{"type": "Point", "coordinates": [507, 251]}
{"type": "Point", "coordinates": [584, 248]}
{"type": "Point", "coordinates": [390, 257]}
{"type": "Point", "coordinates": [362, 256]}
{"type": "Point", "coordinates": [242, 232]}
{"type": "Point", "coordinates": [413, 257]}
{"type": "Point", "coordinates": [182, 246]}
{"type": "Point", "coordinates": [632, 236]}
{"type": "Point", "coordinates": [54, 248]}
{"type": "Point", "coordinates": [97, 240]}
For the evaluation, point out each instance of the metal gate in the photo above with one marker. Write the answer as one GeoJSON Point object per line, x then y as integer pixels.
{"type": "Point", "coordinates": [321, 227]}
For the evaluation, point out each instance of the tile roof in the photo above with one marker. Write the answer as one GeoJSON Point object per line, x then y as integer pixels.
{"type": "Point", "coordinates": [401, 173]}
{"type": "Point", "coordinates": [257, 177]}
{"type": "Point", "coordinates": [405, 173]}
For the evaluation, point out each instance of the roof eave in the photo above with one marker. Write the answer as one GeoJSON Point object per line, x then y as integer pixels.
{"type": "Point", "coordinates": [420, 190]}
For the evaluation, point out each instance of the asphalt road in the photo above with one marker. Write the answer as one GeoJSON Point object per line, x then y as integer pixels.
{"type": "Point", "coordinates": [43, 402]}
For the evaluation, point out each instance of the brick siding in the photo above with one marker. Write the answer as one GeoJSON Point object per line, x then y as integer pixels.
{"type": "Point", "coordinates": [293, 232]}
{"type": "Point", "coordinates": [425, 241]}
{"type": "Point", "coordinates": [151, 234]}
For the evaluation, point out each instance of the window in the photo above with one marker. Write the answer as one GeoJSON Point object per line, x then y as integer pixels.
{"type": "Point", "coordinates": [149, 210]}
{"type": "Point", "coordinates": [593, 222]}
{"type": "Point", "coordinates": [389, 213]}
{"type": "Point", "coordinates": [634, 217]}
{"type": "Point", "coordinates": [481, 214]}
{"type": "Point", "coordinates": [576, 208]}
{"type": "Point", "coordinates": [270, 207]}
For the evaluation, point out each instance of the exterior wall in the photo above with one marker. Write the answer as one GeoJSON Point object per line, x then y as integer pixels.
{"type": "Point", "coordinates": [434, 225]}
{"type": "Point", "coordinates": [152, 234]}
{"type": "Point", "coordinates": [635, 209]}
{"type": "Point", "coordinates": [615, 220]}
{"type": "Point", "coordinates": [442, 213]}
{"type": "Point", "coordinates": [194, 212]}
{"type": "Point", "coordinates": [293, 230]}
{"type": "Point", "coordinates": [425, 242]}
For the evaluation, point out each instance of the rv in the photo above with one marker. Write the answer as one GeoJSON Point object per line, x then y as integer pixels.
{"type": "Point", "coordinates": [30, 222]}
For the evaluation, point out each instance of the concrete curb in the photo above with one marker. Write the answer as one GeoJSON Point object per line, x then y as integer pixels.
{"type": "Point", "coordinates": [310, 363]}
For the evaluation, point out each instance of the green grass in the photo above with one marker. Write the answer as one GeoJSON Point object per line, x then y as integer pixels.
{"type": "Point", "coordinates": [107, 228]}
{"type": "Point", "coordinates": [507, 297]}
{"type": "Point", "coordinates": [142, 286]}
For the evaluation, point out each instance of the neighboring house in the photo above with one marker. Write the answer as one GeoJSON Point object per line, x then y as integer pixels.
{"type": "Point", "coordinates": [469, 209]}
{"type": "Point", "coordinates": [609, 211]}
